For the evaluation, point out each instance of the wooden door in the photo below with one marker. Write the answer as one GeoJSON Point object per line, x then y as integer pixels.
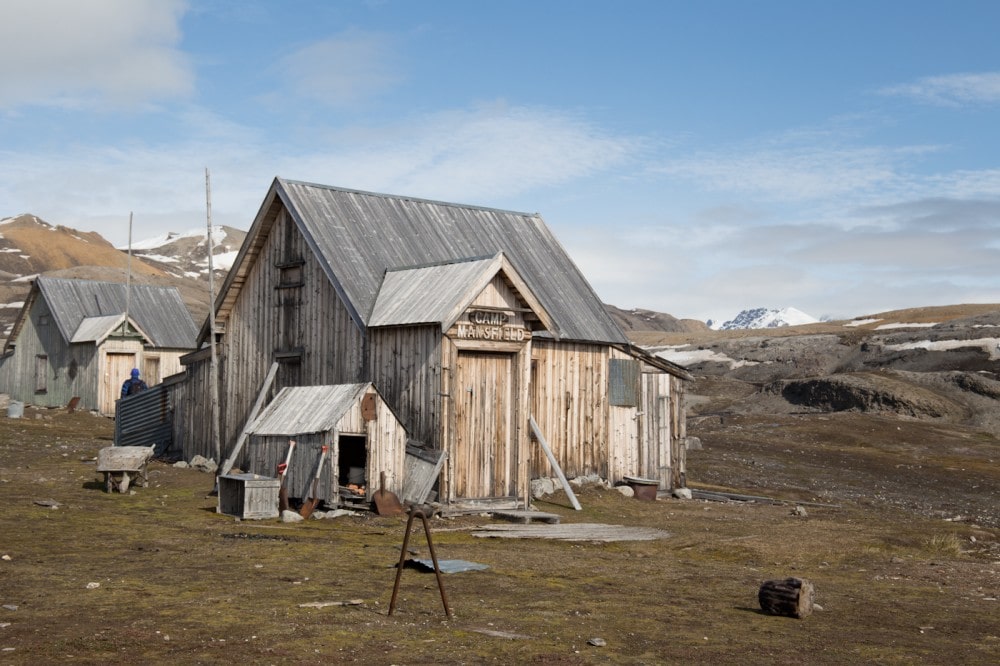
{"type": "Point", "coordinates": [151, 370]}
{"type": "Point", "coordinates": [484, 458]}
{"type": "Point", "coordinates": [117, 368]}
{"type": "Point", "coordinates": [654, 413]}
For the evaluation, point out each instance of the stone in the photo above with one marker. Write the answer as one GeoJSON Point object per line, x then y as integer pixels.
{"type": "Point", "coordinates": [693, 443]}
{"type": "Point", "coordinates": [203, 464]}
{"type": "Point", "coordinates": [291, 517]}
{"type": "Point", "coordinates": [542, 487]}
{"type": "Point", "coordinates": [626, 490]}
{"type": "Point", "coordinates": [800, 511]}
{"type": "Point", "coordinates": [597, 642]}
{"type": "Point", "coordinates": [181, 464]}
{"type": "Point", "coordinates": [681, 493]}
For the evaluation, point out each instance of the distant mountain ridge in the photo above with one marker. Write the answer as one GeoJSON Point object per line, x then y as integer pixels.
{"type": "Point", "coordinates": [30, 246]}
{"type": "Point", "coordinates": [766, 318]}
{"type": "Point", "coordinates": [638, 319]}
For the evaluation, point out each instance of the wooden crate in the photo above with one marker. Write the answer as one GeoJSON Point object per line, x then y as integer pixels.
{"type": "Point", "coordinates": [248, 496]}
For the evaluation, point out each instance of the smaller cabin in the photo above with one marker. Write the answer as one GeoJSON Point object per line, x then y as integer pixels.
{"type": "Point", "coordinates": [364, 438]}
{"type": "Point", "coordinates": [81, 338]}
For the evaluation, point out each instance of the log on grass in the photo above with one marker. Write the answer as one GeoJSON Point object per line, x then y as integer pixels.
{"type": "Point", "coordinates": [791, 597]}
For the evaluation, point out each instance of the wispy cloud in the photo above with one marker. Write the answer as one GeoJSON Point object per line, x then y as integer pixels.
{"type": "Point", "coordinates": [342, 71]}
{"type": "Point", "coordinates": [489, 153]}
{"type": "Point", "coordinates": [91, 54]}
{"type": "Point", "coordinates": [793, 169]}
{"type": "Point", "coordinates": [486, 155]}
{"type": "Point", "coordinates": [951, 90]}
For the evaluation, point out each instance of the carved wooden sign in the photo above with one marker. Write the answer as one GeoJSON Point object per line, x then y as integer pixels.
{"type": "Point", "coordinates": [491, 325]}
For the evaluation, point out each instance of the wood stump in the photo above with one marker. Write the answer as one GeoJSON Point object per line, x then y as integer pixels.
{"type": "Point", "coordinates": [791, 597]}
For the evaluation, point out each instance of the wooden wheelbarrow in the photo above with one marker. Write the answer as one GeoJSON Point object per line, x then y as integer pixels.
{"type": "Point", "coordinates": [122, 465]}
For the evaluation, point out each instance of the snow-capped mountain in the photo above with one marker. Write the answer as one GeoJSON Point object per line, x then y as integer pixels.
{"type": "Point", "coordinates": [186, 254]}
{"type": "Point", "coordinates": [766, 318]}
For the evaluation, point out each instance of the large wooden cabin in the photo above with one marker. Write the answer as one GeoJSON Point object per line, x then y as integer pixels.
{"type": "Point", "coordinates": [469, 321]}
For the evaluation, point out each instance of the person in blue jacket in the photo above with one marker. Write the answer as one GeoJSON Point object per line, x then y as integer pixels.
{"type": "Point", "coordinates": [133, 384]}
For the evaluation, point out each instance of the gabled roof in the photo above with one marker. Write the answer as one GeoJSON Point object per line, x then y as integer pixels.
{"type": "Point", "coordinates": [359, 236]}
{"type": "Point", "coordinates": [439, 294]}
{"type": "Point", "coordinates": [96, 329]}
{"type": "Point", "coordinates": [299, 410]}
{"type": "Point", "coordinates": [80, 307]}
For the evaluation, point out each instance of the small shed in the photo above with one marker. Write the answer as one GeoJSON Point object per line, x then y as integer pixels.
{"type": "Point", "coordinates": [363, 435]}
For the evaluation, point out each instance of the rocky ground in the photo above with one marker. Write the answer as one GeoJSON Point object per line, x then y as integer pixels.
{"type": "Point", "coordinates": [875, 469]}
{"type": "Point", "coordinates": [891, 522]}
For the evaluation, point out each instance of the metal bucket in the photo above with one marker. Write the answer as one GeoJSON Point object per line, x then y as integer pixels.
{"type": "Point", "coordinates": [643, 489]}
{"type": "Point", "coordinates": [15, 409]}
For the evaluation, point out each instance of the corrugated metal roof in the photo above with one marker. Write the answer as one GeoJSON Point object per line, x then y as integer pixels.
{"type": "Point", "coordinates": [361, 235]}
{"type": "Point", "coordinates": [158, 311]}
{"type": "Point", "coordinates": [428, 295]}
{"type": "Point", "coordinates": [306, 409]}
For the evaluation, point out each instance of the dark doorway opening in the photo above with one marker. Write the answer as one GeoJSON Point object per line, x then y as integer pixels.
{"type": "Point", "coordinates": [352, 462]}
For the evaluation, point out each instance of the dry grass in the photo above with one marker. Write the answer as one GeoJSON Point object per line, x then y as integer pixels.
{"type": "Point", "coordinates": [181, 584]}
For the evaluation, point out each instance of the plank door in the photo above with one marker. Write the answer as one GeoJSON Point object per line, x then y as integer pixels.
{"type": "Point", "coordinates": [484, 456]}
{"type": "Point", "coordinates": [116, 370]}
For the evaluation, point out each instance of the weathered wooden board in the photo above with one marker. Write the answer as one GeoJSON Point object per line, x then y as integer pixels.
{"type": "Point", "coordinates": [422, 470]}
{"type": "Point", "coordinates": [573, 532]}
{"type": "Point", "coordinates": [123, 458]}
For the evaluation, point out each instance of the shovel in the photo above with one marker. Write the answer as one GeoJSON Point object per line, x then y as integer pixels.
{"type": "Point", "coordinates": [282, 473]}
{"type": "Point", "coordinates": [386, 503]}
{"type": "Point", "coordinates": [310, 505]}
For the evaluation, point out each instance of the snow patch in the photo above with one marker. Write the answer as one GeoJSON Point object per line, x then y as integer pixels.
{"type": "Point", "coordinates": [989, 345]}
{"type": "Point", "coordinates": [26, 278]}
{"type": "Point", "coordinates": [861, 322]}
{"type": "Point", "coordinates": [683, 355]}
{"type": "Point", "coordinates": [224, 261]}
{"type": "Point", "coordinates": [15, 304]}
{"type": "Point", "coordinates": [885, 327]}
{"type": "Point", "coordinates": [161, 258]}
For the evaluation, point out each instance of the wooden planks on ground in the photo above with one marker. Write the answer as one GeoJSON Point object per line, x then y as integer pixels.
{"type": "Point", "coordinates": [573, 532]}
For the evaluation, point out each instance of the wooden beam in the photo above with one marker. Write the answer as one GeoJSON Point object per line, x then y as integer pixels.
{"type": "Point", "coordinates": [540, 438]}
{"type": "Point", "coordinates": [228, 465]}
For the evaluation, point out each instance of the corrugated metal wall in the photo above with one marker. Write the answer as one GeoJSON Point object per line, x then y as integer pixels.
{"type": "Point", "coordinates": [147, 418]}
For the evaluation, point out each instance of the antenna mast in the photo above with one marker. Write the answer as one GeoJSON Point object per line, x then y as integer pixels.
{"type": "Point", "coordinates": [216, 444]}
{"type": "Point", "coordinates": [128, 277]}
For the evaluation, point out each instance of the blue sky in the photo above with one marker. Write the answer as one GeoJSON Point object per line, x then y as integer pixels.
{"type": "Point", "coordinates": [696, 158]}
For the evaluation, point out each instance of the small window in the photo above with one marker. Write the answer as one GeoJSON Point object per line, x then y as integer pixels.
{"type": "Point", "coordinates": [43, 320]}
{"type": "Point", "coordinates": [290, 275]}
{"type": "Point", "coordinates": [623, 382]}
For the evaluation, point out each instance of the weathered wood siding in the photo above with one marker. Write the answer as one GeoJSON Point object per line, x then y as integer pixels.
{"type": "Point", "coordinates": [570, 405]}
{"type": "Point", "coordinates": [66, 371]}
{"type": "Point", "coordinates": [588, 435]}
{"type": "Point", "coordinates": [193, 407]}
{"type": "Point", "coordinates": [386, 443]}
{"type": "Point", "coordinates": [406, 368]}
{"type": "Point", "coordinates": [287, 310]}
